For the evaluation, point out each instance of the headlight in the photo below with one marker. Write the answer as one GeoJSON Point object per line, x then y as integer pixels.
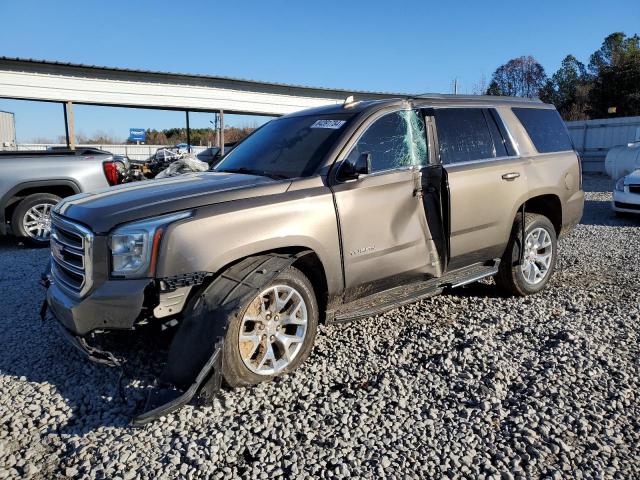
{"type": "Point", "coordinates": [620, 185]}
{"type": "Point", "coordinates": [134, 246]}
{"type": "Point", "coordinates": [129, 251]}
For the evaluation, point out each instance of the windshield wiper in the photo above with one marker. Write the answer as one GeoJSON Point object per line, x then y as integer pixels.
{"type": "Point", "coordinates": [251, 171]}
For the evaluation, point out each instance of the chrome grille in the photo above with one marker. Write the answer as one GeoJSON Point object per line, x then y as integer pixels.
{"type": "Point", "coordinates": [634, 188]}
{"type": "Point", "coordinates": [71, 253]}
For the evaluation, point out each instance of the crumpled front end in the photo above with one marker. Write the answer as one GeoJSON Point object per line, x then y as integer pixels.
{"type": "Point", "coordinates": [197, 306]}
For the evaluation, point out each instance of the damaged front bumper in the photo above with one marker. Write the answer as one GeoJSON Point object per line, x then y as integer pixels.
{"type": "Point", "coordinates": [113, 305]}
{"type": "Point", "coordinates": [117, 306]}
{"type": "Point", "coordinates": [161, 400]}
{"type": "Point", "coordinates": [92, 353]}
{"type": "Point", "coordinates": [195, 357]}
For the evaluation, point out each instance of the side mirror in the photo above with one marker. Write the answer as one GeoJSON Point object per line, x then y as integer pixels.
{"type": "Point", "coordinates": [351, 171]}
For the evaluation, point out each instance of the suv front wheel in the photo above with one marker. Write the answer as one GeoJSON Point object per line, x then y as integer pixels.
{"type": "Point", "coordinates": [274, 333]}
{"type": "Point", "coordinates": [540, 250]}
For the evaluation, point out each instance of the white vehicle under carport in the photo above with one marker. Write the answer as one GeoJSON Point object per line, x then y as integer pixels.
{"type": "Point", "coordinates": [626, 194]}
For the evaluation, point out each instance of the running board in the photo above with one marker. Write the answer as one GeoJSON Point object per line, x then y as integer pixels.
{"type": "Point", "coordinates": [402, 295]}
{"type": "Point", "coordinates": [488, 273]}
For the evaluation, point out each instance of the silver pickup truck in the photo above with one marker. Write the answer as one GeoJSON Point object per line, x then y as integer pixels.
{"type": "Point", "coordinates": [32, 182]}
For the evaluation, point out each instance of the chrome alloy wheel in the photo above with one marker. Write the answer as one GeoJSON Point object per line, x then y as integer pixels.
{"type": "Point", "coordinates": [37, 221]}
{"type": "Point", "coordinates": [538, 253]}
{"type": "Point", "coordinates": [273, 330]}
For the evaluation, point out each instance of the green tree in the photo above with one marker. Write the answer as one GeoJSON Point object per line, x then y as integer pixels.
{"type": "Point", "coordinates": [568, 89]}
{"type": "Point", "coordinates": [615, 49]}
{"type": "Point", "coordinates": [198, 136]}
{"type": "Point", "coordinates": [519, 77]}
{"type": "Point", "coordinates": [616, 71]}
{"type": "Point", "coordinates": [548, 91]}
{"type": "Point", "coordinates": [493, 89]}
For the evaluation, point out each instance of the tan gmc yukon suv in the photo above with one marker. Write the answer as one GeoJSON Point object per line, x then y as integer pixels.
{"type": "Point", "coordinates": [328, 214]}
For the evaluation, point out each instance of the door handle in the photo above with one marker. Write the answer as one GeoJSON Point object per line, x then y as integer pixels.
{"type": "Point", "coordinates": [510, 176]}
{"type": "Point", "coordinates": [419, 192]}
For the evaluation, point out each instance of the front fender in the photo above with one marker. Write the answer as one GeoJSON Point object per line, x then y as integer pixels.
{"type": "Point", "coordinates": [195, 356]}
{"type": "Point", "coordinates": [219, 235]}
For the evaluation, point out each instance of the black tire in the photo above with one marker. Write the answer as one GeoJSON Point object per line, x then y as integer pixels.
{"type": "Point", "coordinates": [20, 212]}
{"type": "Point", "coordinates": [510, 277]}
{"type": "Point", "coordinates": [234, 370]}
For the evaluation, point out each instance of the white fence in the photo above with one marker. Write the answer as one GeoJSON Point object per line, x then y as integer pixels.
{"type": "Point", "coordinates": [134, 152]}
{"type": "Point", "coordinates": [594, 138]}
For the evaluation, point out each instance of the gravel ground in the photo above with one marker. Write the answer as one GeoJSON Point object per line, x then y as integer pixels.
{"type": "Point", "coordinates": [467, 384]}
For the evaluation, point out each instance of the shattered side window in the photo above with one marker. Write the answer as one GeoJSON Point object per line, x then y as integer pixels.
{"type": "Point", "coordinates": [395, 140]}
{"type": "Point", "coordinates": [415, 139]}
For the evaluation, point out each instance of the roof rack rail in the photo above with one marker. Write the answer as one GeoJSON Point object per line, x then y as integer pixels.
{"type": "Point", "coordinates": [478, 97]}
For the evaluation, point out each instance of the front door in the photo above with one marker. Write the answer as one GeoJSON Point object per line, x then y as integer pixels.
{"type": "Point", "coordinates": [384, 230]}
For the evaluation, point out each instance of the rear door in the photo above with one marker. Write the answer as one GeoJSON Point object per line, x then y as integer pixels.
{"type": "Point", "coordinates": [384, 232]}
{"type": "Point", "coordinates": [486, 178]}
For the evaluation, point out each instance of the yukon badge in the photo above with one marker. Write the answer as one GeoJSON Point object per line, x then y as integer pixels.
{"type": "Point", "coordinates": [362, 251]}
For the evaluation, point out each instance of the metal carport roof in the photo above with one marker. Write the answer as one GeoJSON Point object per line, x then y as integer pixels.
{"type": "Point", "coordinates": [43, 80]}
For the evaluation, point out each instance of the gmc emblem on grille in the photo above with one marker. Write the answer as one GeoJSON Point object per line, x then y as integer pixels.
{"type": "Point", "coordinates": [57, 250]}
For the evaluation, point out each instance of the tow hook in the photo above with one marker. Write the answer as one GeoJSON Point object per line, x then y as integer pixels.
{"type": "Point", "coordinates": [45, 281]}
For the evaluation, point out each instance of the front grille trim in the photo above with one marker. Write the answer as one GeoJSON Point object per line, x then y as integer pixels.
{"type": "Point", "coordinates": [59, 278]}
{"type": "Point", "coordinates": [71, 238]}
{"type": "Point", "coordinates": [64, 239]}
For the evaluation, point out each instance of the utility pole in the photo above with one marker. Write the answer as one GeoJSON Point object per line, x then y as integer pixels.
{"type": "Point", "coordinates": [221, 132]}
{"type": "Point", "coordinates": [455, 86]}
{"type": "Point", "coordinates": [215, 128]}
{"type": "Point", "coordinates": [68, 125]}
{"type": "Point", "coordinates": [188, 131]}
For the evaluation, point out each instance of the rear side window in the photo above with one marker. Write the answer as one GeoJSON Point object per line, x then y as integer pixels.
{"type": "Point", "coordinates": [545, 128]}
{"type": "Point", "coordinates": [464, 134]}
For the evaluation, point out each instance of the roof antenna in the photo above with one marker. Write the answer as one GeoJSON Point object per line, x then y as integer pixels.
{"type": "Point", "coordinates": [349, 102]}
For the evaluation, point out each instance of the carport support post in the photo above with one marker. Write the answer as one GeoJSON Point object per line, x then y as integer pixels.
{"type": "Point", "coordinates": [188, 131]}
{"type": "Point", "coordinates": [68, 125]}
{"type": "Point", "coordinates": [221, 132]}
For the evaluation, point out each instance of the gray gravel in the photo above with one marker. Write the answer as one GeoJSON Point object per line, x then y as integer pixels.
{"type": "Point", "coordinates": [467, 384]}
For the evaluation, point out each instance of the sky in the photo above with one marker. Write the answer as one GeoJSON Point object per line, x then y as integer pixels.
{"type": "Point", "coordinates": [400, 46]}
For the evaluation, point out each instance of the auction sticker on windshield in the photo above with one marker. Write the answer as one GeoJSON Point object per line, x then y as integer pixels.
{"type": "Point", "coordinates": [334, 124]}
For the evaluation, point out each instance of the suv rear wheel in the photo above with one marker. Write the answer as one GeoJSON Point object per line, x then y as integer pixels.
{"type": "Point", "coordinates": [540, 251]}
{"type": "Point", "coordinates": [274, 332]}
{"type": "Point", "coordinates": [31, 219]}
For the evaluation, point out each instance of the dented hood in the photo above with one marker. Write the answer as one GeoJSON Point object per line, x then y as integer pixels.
{"type": "Point", "coordinates": [104, 209]}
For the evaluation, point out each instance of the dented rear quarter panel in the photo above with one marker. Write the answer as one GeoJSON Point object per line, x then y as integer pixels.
{"type": "Point", "coordinates": [218, 235]}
